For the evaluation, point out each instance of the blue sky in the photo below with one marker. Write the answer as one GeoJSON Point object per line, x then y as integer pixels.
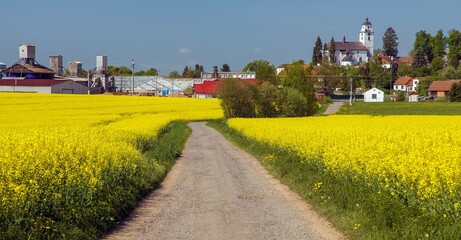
{"type": "Point", "coordinates": [170, 34]}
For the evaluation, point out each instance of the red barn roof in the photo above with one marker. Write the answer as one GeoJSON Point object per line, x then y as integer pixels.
{"type": "Point", "coordinates": [442, 86]}
{"type": "Point", "coordinates": [209, 86]}
{"type": "Point", "coordinates": [31, 82]}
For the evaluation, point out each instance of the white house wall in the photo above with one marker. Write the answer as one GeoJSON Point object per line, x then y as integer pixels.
{"type": "Point", "coordinates": [31, 89]}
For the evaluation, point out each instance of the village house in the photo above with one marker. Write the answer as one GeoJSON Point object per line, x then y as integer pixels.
{"type": "Point", "coordinates": [388, 61]}
{"type": "Point", "coordinates": [406, 84]}
{"type": "Point", "coordinates": [440, 89]}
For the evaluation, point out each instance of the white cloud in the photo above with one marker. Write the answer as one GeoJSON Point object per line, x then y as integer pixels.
{"type": "Point", "coordinates": [185, 51]}
{"type": "Point", "coordinates": [257, 50]}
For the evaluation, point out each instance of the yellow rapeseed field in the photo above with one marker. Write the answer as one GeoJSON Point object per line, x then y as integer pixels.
{"type": "Point", "coordinates": [413, 158]}
{"type": "Point", "coordinates": [68, 158]}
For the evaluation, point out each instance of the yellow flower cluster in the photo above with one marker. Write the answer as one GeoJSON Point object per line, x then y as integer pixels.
{"type": "Point", "coordinates": [416, 158]}
{"type": "Point", "coordinates": [65, 157]}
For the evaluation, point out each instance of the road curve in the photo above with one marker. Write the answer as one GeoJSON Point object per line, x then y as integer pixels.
{"type": "Point", "coordinates": [217, 191]}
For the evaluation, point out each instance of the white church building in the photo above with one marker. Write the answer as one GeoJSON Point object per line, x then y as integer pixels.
{"type": "Point", "coordinates": [355, 53]}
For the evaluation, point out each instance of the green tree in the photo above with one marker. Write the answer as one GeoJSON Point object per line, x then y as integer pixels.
{"type": "Point", "coordinates": [324, 52]}
{"type": "Point", "coordinates": [332, 50]}
{"type": "Point", "coordinates": [294, 104]}
{"type": "Point", "coordinates": [455, 92]}
{"type": "Point", "coordinates": [185, 72]}
{"type": "Point", "coordinates": [419, 59]}
{"type": "Point", "coordinates": [437, 64]}
{"type": "Point", "coordinates": [327, 74]}
{"type": "Point", "coordinates": [454, 47]}
{"type": "Point", "coordinates": [174, 74]}
{"type": "Point", "coordinates": [225, 68]}
{"type": "Point", "coordinates": [236, 98]}
{"type": "Point", "coordinates": [317, 52]}
{"type": "Point", "coordinates": [448, 72]}
{"type": "Point", "coordinates": [119, 71]}
{"type": "Point", "coordinates": [406, 70]}
{"type": "Point", "coordinates": [422, 87]}
{"type": "Point", "coordinates": [390, 44]}
{"type": "Point", "coordinates": [264, 70]}
{"type": "Point", "coordinates": [299, 78]}
{"type": "Point", "coordinates": [151, 72]}
{"type": "Point", "coordinates": [438, 45]}
{"type": "Point", "coordinates": [267, 100]}
{"type": "Point", "coordinates": [422, 45]}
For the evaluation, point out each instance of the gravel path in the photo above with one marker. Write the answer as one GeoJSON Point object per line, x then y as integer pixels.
{"type": "Point", "coordinates": [217, 191]}
{"type": "Point", "coordinates": [334, 107]}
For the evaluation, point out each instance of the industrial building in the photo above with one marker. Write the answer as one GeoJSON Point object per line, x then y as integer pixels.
{"type": "Point", "coordinates": [42, 86]}
{"type": "Point", "coordinates": [27, 67]}
{"type": "Point", "coordinates": [27, 75]}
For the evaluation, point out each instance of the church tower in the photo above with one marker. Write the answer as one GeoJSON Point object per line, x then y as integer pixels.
{"type": "Point", "coordinates": [367, 35]}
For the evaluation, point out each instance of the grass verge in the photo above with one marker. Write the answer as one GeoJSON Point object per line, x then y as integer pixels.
{"type": "Point", "coordinates": [352, 207]}
{"type": "Point", "coordinates": [163, 150]}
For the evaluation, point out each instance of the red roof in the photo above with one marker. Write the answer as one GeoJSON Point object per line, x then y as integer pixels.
{"type": "Point", "coordinates": [442, 86]}
{"type": "Point", "coordinates": [31, 82]}
{"type": "Point", "coordinates": [209, 86]}
{"type": "Point", "coordinates": [404, 81]}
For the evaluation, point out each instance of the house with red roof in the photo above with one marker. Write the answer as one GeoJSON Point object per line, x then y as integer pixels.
{"type": "Point", "coordinates": [440, 89]}
{"type": "Point", "coordinates": [406, 84]}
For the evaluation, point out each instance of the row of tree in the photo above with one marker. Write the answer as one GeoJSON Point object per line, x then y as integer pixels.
{"type": "Point", "coordinates": [125, 71]}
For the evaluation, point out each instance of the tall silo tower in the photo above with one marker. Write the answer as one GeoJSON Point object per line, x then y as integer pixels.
{"type": "Point", "coordinates": [56, 64]}
{"type": "Point", "coordinates": [27, 53]}
{"type": "Point", "coordinates": [75, 69]}
{"type": "Point", "coordinates": [101, 64]}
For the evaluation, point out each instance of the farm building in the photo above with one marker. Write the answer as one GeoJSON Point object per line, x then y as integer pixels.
{"type": "Point", "coordinates": [207, 86]}
{"type": "Point", "coordinates": [205, 89]}
{"type": "Point", "coordinates": [440, 89]}
{"type": "Point", "coordinates": [42, 86]}
{"type": "Point", "coordinates": [373, 95]}
{"type": "Point", "coordinates": [27, 67]}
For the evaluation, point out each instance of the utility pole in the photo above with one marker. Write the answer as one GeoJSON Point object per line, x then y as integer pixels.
{"type": "Point", "coordinates": [132, 77]}
{"type": "Point", "coordinates": [350, 101]}
{"type": "Point", "coordinates": [89, 80]}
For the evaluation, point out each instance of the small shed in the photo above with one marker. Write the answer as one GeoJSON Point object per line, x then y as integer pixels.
{"type": "Point", "coordinates": [413, 97]}
{"type": "Point", "coordinates": [373, 95]}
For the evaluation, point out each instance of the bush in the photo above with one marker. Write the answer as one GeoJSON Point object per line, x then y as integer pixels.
{"type": "Point", "coordinates": [455, 92]}
{"type": "Point", "coordinates": [241, 99]}
{"type": "Point", "coordinates": [237, 100]}
{"type": "Point", "coordinates": [401, 97]}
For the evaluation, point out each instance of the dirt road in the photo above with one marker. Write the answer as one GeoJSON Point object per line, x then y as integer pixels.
{"type": "Point", "coordinates": [216, 191]}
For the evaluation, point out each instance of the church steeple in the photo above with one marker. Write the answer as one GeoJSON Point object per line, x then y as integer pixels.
{"type": "Point", "coordinates": [367, 35]}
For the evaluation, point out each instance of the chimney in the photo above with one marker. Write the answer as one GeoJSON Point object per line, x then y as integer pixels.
{"type": "Point", "coordinates": [215, 72]}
